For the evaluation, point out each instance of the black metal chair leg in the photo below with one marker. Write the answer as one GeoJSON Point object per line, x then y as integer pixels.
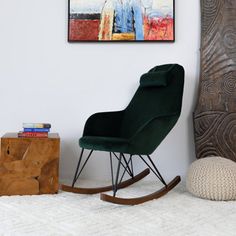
{"type": "Point", "coordinates": [125, 170]}
{"type": "Point", "coordinates": [117, 176]}
{"type": "Point", "coordinates": [112, 176]}
{"type": "Point", "coordinates": [127, 165]}
{"type": "Point", "coordinates": [84, 165]}
{"type": "Point", "coordinates": [77, 168]}
{"type": "Point", "coordinates": [157, 173]}
{"type": "Point", "coordinates": [163, 181]}
{"type": "Point", "coordinates": [132, 168]}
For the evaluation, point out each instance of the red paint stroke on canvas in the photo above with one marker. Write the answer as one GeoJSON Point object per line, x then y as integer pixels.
{"type": "Point", "coordinates": [84, 29]}
{"type": "Point", "coordinates": [158, 28]}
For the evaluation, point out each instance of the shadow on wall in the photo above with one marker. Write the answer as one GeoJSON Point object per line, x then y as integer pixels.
{"type": "Point", "coordinates": [191, 142]}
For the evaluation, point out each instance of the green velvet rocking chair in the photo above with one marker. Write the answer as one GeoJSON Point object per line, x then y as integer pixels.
{"type": "Point", "coordinates": [135, 132]}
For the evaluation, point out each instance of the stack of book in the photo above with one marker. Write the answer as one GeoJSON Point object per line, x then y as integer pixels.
{"type": "Point", "coordinates": [37, 130]}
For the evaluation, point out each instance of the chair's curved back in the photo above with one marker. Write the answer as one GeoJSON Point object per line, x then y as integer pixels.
{"type": "Point", "coordinates": [154, 109]}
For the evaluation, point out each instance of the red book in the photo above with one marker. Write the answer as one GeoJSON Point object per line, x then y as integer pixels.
{"type": "Point", "coordinates": [33, 134]}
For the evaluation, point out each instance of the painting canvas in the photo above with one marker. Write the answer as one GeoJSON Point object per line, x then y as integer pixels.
{"type": "Point", "coordinates": [121, 20]}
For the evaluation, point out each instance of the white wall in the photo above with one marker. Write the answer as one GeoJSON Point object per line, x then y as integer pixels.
{"type": "Point", "coordinates": [45, 78]}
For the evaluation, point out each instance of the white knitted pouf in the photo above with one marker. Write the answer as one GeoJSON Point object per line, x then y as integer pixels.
{"type": "Point", "coordinates": [212, 178]}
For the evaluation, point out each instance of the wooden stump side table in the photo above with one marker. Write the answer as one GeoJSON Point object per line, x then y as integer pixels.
{"type": "Point", "coordinates": [29, 165]}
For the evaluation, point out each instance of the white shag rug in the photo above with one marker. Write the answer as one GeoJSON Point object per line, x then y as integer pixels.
{"type": "Point", "coordinates": [176, 214]}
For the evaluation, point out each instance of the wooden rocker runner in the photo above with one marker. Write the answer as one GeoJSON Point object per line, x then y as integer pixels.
{"type": "Point", "coordinates": [134, 132]}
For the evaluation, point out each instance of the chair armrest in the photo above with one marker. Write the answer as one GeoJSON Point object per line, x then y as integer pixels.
{"type": "Point", "coordinates": [147, 137]}
{"type": "Point", "coordinates": [149, 122]}
{"type": "Point", "coordinates": [104, 124]}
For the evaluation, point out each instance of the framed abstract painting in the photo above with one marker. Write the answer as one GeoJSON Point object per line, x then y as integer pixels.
{"type": "Point", "coordinates": [121, 20]}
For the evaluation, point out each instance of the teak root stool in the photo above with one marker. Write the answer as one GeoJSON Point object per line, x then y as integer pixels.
{"type": "Point", "coordinates": [29, 165]}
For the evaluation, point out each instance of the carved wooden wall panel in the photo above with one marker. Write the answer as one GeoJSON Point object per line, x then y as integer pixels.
{"type": "Point", "coordinates": [215, 113]}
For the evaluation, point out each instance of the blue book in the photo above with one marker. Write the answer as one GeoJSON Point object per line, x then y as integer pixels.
{"type": "Point", "coordinates": [36, 129]}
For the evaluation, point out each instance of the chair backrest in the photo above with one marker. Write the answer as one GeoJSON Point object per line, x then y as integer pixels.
{"type": "Point", "coordinates": [155, 107]}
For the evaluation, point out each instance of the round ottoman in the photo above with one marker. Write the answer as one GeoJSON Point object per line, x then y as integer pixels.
{"type": "Point", "coordinates": [212, 178]}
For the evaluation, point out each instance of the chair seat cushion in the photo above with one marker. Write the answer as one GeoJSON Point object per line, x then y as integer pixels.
{"type": "Point", "coordinates": [110, 144]}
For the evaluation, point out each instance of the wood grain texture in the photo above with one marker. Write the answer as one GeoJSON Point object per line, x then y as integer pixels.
{"type": "Point", "coordinates": [29, 165]}
{"type": "Point", "coordinates": [123, 184]}
{"type": "Point", "coordinates": [215, 113]}
{"type": "Point", "coordinates": [140, 200]}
